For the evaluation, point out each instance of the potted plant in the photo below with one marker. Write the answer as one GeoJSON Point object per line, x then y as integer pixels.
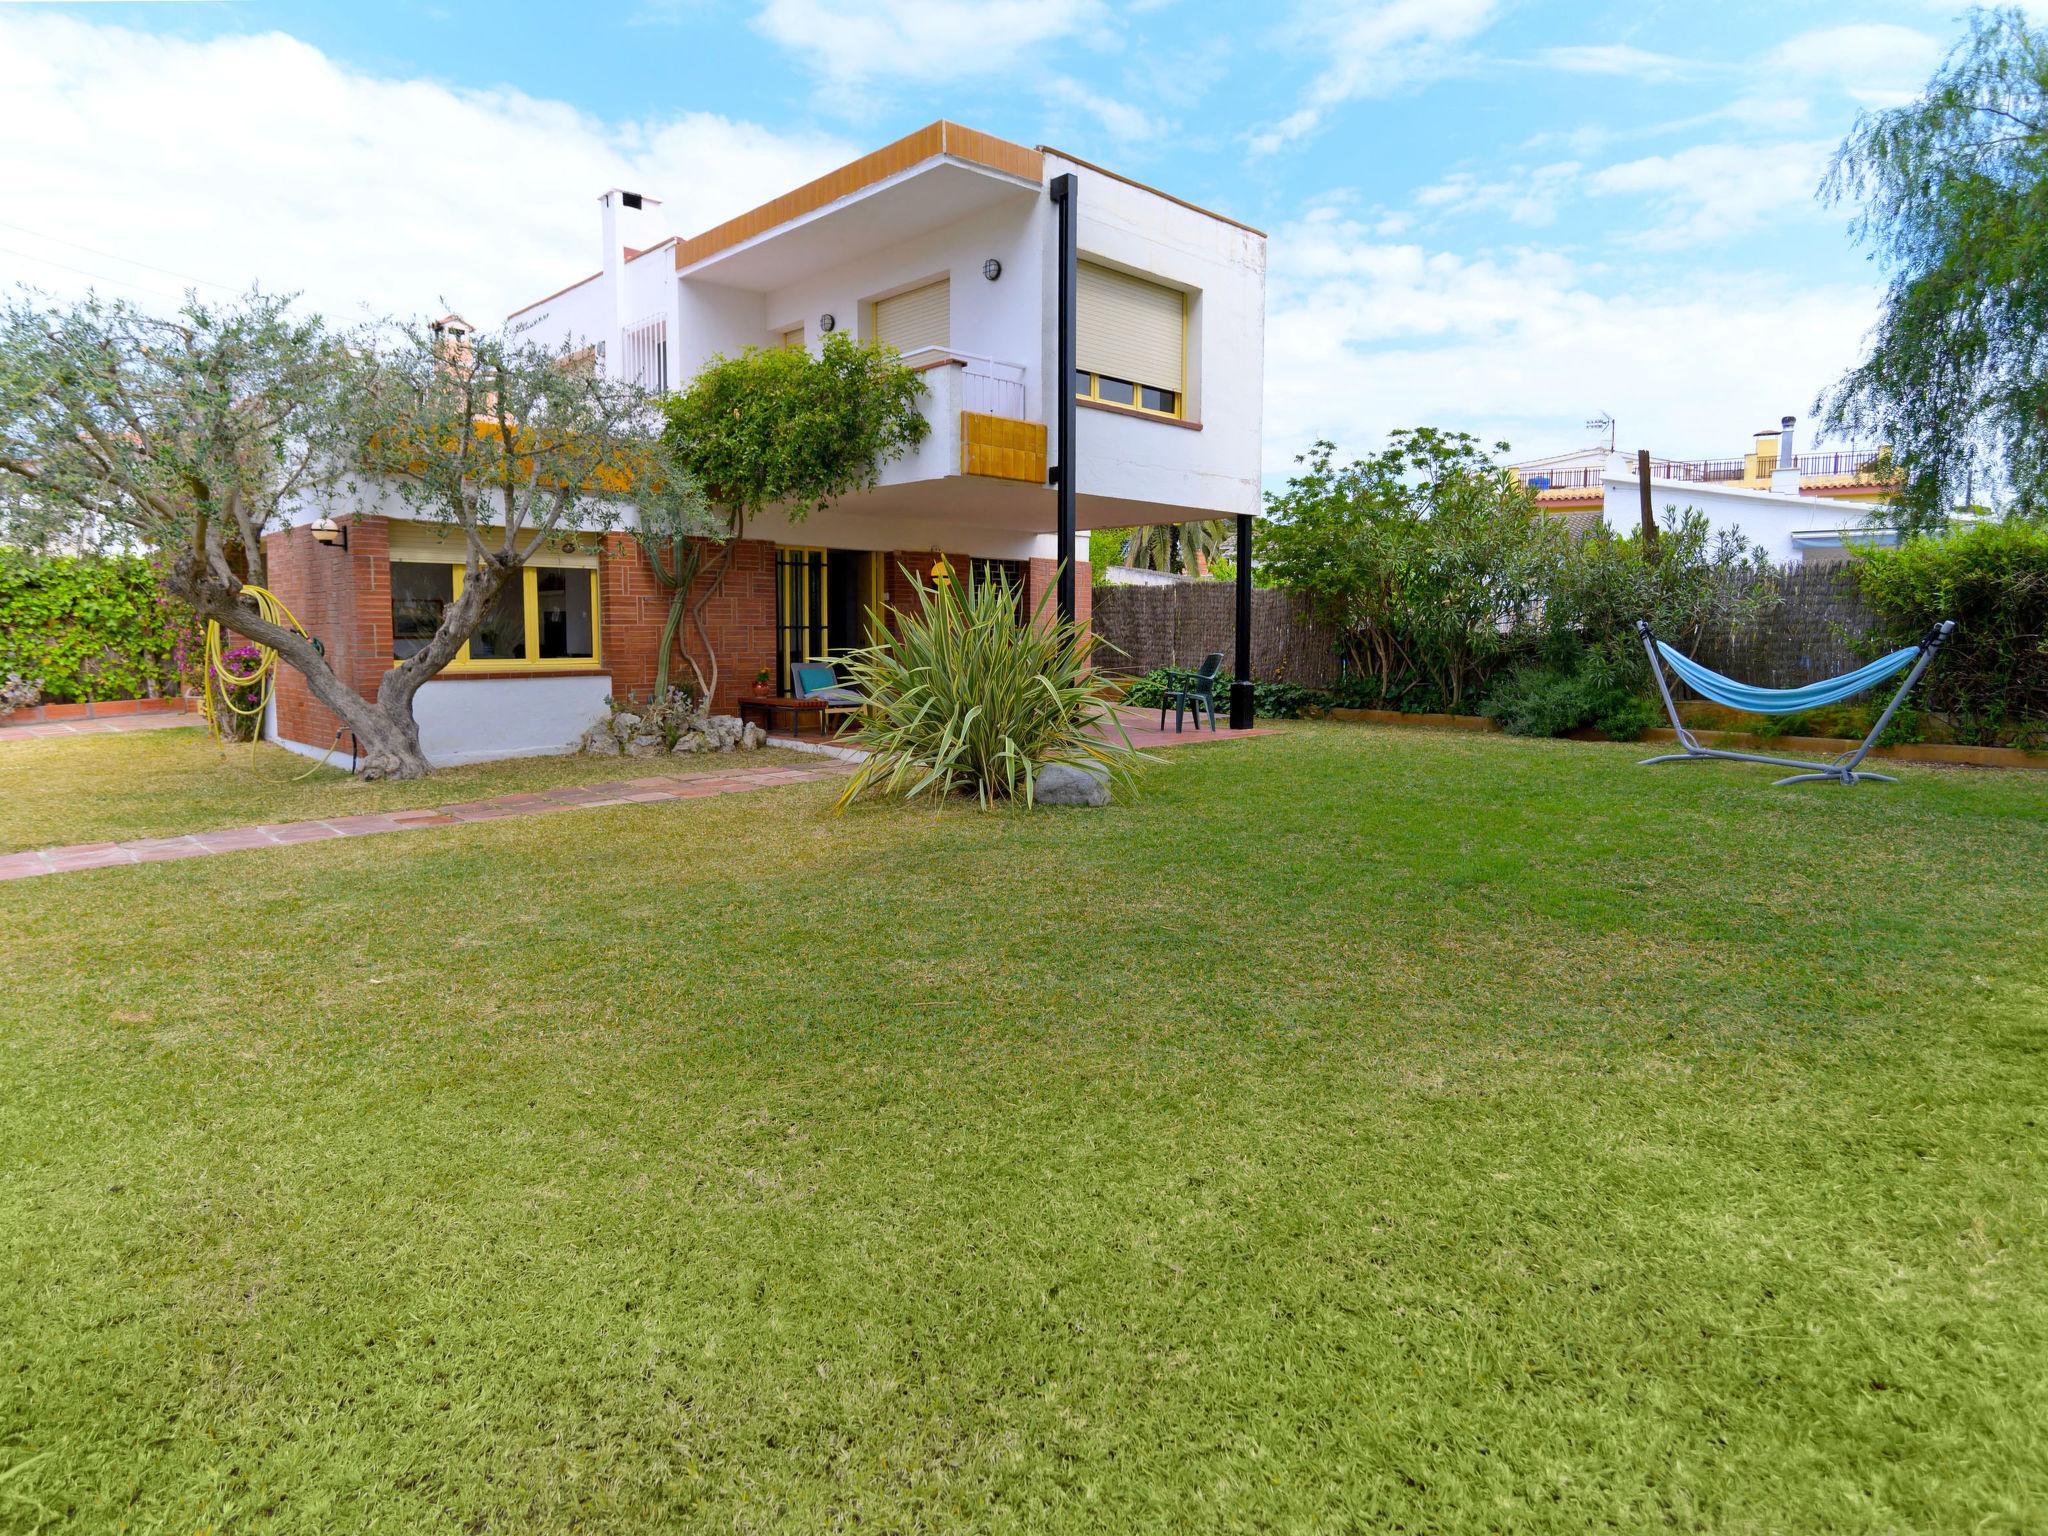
{"type": "Point", "coordinates": [761, 682]}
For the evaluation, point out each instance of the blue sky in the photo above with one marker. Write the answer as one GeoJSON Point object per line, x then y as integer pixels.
{"type": "Point", "coordinates": [1497, 215]}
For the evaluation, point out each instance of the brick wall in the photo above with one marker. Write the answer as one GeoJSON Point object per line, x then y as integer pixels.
{"type": "Point", "coordinates": [343, 598]}
{"type": "Point", "coordinates": [1176, 626]}
{"type": "Point", "coordinates": [741, 620]}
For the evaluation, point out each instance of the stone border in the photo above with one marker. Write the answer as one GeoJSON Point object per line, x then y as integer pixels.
{"type": "Point", "coordinates": [104, 709]}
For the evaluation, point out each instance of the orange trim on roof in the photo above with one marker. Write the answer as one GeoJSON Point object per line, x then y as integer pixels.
{"type": "Point", "coordinates": [934, 139]}
{"type": "Point", "coordinates": [1207, 213]}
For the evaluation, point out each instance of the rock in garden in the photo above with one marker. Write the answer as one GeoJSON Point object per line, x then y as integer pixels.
{"type": "Point", "coordinates": [599, 741]}
{"type": "Point", "coordinates": [751, 737]}
{"type": "Point", "coordinates": [1071, 784]}
{"type": "Point", "coordinates": [690, 741]}
{"type": "Point", "coordinates": [646, 744]}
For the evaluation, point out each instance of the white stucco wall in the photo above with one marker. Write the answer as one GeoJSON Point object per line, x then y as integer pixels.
{"type": "Point", "coordinates": [480, 719]}
{"type": "Point", "coordinates": [476, 719]}
{"type": "Point", "coordinates": [1222, 267]}
{"type": "Point", "coordinates": [1762, 517]}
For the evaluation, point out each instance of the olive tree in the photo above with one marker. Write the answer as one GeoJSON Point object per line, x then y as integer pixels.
{"type": "Point", "coordinates": [198, 433]}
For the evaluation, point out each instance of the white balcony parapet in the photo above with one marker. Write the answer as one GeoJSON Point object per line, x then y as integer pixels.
{"type": "Point", "coordinates": [988, 386]}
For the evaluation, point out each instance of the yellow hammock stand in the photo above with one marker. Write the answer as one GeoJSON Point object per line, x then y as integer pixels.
{"type": "Point", "coordinates": [262, 677]}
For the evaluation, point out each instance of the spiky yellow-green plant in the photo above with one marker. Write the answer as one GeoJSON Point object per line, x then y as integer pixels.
{"type": "Point", "coordinates": [966, 698]}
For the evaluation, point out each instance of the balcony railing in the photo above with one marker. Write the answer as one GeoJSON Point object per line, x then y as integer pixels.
{"type": "Point", "coordinates": [988, 386]}
{"type": "Point", "coordinates": [1861, 462]}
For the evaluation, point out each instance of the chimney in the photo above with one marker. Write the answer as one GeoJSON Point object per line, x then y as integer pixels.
{"type": "Point", "coordinates": [619, 217]}
{"type": "Point", "coordinates": [1785, 478]}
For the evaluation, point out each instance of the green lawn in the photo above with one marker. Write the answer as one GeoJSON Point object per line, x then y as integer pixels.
{"type": "Point", "coordinates": [1369, 1130]}
{"type": "Point", "coordinates": [164, 783]}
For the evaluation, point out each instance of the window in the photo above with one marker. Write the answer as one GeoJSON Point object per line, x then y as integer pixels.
{"type": "Point", "coordinates": [419, 595]}
{"type": "Point", "coordinates": [1133, 342]}
{"type": "Point", "coordinates": [545, 617]}
{"type": "Point", "coordinates": [793, 338]}
{"type": "Point", "coordinates": [919, 318]}
{"type": "Point", "coordinates": [647, 355]}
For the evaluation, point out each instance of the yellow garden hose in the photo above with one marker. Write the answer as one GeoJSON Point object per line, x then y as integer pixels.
{"type": "Point", "coordinates": [262, 677]}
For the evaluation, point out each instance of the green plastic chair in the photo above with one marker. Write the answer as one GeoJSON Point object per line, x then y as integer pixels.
{"type": "Point", "coordinates": [820, 680]}
{"type": "Point", "coordinates": [1192, 691]}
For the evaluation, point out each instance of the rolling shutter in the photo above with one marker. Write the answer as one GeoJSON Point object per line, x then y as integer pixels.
{"type": "Point", "coordinates": [1131, 329]}
{"type": "Point", "coordinates": [919, 318]}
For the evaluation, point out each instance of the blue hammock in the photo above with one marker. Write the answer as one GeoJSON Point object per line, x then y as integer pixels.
{"type": "Point", "coordinates": [1785, 701]}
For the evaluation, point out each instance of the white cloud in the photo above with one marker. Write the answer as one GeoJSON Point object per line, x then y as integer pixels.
{"type": "Point", "coordinates": [1373, 47]}
{"type": "Point", "coordinates": [1531, 198]}
{"type": "Point", "coordinates": [1613, 59]}
{"type": "Point", "coordinates": [1363, 336]}
{"type": "Point", "coordinates": [1124, 122]}
{"type": "Point", "coordinates": [1711, 191]}
{"type": "Point", "coordinates": [1875, 64]}
{"type": "Point", "coordinates": [850, 43]}
{"type": "Point", "coordinates": [359, 191]}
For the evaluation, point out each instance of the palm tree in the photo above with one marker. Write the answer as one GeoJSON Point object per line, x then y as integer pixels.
{"type": "Point", "coordinates": [1177, 546]}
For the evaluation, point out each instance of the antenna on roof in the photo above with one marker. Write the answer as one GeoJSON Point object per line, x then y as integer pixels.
{"type": "Point", "coordinates": [1604, 422]}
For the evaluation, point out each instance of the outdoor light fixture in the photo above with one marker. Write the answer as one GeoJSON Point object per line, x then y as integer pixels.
{"type": "Point", "coordinates": [827, 322]}
{"type": "Point", "coordinates": [991, 269]}
{"type": "Point", "coordinates": [334, 535]}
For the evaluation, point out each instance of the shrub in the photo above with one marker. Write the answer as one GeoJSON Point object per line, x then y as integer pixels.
{"type": "Point", "coordinates": [966, 699]}
{"type": "Point", "coordinates": [1553, 701]}
{"type": "Point", "coordinates": [1696, 582]}
{"type": "Point", "coordinates": [1990, 682]}
{"type": "Point", "coordinates": [1429, 557]}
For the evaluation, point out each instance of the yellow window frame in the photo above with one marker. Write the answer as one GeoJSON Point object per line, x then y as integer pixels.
{"type": "Point", "coordinates": [529, 577]}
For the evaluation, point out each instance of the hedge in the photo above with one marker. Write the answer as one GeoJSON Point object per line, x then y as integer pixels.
{"type": "Point", "coordinates": [1990, 683]}
{"type": "Point", "coordinates": [91, 627]}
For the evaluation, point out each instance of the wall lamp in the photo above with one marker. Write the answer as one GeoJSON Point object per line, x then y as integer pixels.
{"type": "Point", "coordinates": [334, 535]}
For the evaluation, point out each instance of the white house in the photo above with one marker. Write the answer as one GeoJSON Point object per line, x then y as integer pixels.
{"type": "Point", "coordinates": [982, 262]}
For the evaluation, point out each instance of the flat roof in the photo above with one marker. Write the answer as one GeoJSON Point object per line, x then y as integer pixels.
{"type": "Point", "coordinates": [941, 138]}
{"type": "Point", "coordinates": [934, 139]}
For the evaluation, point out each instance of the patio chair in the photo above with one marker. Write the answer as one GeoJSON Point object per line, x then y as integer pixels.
{"type": "Point", "coordinates": [820, 680]}
{"type": "Point", "coordinates": [1192, 691]}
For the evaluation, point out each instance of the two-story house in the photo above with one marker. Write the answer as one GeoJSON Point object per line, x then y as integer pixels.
{"type": "Point", "coordinates": [948, 245]}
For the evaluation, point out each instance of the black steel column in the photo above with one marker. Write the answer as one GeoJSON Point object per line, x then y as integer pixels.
{"type": "Point", "coordinates": [1241, 711]}
{"type": "Point", "coordinates": [1066, 196]}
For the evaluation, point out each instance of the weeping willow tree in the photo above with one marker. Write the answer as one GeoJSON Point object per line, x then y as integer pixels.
{"type": "Point", "coordinates": [1952, 193]}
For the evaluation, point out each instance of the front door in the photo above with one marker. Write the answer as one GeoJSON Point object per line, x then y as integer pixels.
{"type": "Point", "coordinates": [822, 601]}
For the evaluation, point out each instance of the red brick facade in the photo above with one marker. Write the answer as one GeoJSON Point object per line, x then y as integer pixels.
{"type": "Point", "coordinates": [344, 598]}
{"type": "Point", "coordinates": [633, 607]}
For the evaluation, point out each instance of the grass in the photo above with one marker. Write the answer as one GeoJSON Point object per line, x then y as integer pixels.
{"type": "Point", "coordinates": [164, 783]}
{"type": "Point", "coordinates": [1368, 1130]}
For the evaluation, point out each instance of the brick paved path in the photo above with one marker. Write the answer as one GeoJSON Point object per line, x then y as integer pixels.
{"type": "Point", "coordinates": [196, 845]}
{"type": "Point", "coordinates": [114, 725]}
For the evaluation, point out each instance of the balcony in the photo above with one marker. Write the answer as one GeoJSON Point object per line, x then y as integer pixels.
{"type": "Point", "coordinates": [977, 411]}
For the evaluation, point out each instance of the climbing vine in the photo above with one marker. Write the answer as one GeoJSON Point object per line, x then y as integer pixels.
{"type": "Point", "coordinates": [92, 627]}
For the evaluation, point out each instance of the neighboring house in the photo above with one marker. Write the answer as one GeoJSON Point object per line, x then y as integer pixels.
{"type": "Point", "coordinates": [1801, 507]}
{"type": "Point", "coordinates": [943, 245]}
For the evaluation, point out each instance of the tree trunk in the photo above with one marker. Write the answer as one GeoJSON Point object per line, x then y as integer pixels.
{"type": "Point", "coordinates": [384, 729]}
